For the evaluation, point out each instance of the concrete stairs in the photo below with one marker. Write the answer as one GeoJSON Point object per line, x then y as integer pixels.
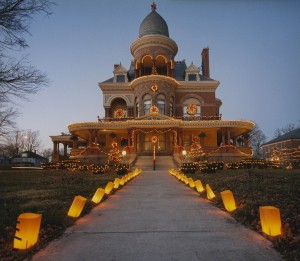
{"type": "Point", "coordinates": [162, 163]}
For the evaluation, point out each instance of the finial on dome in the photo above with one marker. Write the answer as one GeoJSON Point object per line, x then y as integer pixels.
{"type": "Point", "coordinates": [153, 6]}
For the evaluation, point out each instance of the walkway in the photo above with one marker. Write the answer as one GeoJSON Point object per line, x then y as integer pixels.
{"type": "Point", "coordinates": [156, 217]}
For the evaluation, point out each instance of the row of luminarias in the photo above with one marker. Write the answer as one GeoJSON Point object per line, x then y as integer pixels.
{"type": "Point", "coordinates": [28, 225]}
{"type": "Point", "coordinates": [269, 216]}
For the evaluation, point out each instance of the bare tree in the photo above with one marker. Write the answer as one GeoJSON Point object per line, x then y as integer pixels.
{"type": "Point", "coordinates": [18, 141]}
{"type": "Point", "coordinates": [257, 138]}
{"type": "Point", "coordinates": [18, 78]}
{"type": "Point", "coordinates": [279, 132]}
{"type": "Point", "coordinates": [7, 117]}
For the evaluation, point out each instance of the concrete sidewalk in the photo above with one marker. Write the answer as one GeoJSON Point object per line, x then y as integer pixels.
{"type": "Point", "coordinates": [156, 217]}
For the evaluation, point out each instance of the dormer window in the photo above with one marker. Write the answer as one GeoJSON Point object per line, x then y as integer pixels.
{"type": "Point", "coordinates": [120, 74]}
{"type": "Point", "coordinates": [120, 78]}
{"type": "Point", "coordinates": [192, 77]}
{"type": "Point", "coordinates": [192, 73]}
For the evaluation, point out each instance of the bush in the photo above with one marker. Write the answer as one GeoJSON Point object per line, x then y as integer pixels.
{"type": "Point", "coordinates": [188, 167]}
{"type": "Point", "coordinates": [122, 169]}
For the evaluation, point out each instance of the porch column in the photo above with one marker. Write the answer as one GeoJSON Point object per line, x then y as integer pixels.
{"type": "Point", "coordinates": [228, 137]}
{"type": "Point", "coordinates": [223, 138]}
{"type": "Point", "coordinates": [54, 147]}
{"type": "Point", "coordinates": [65, 149]}
{"type": "Point", "coordinates": [234, 141]}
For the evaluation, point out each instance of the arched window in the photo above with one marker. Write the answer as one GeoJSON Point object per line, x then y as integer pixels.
{"type": "Point", "coordinates": [161, 103]}
{"type": "Point", "coordinates": [171, 106]}
{"type": "Point", "coordinates": [147, 103]}
{"type": "Point", "coordinates": [118, 103]}
{"type": "Point", "coordinates": [161, 65]}
{"type": "Point", "coordinates": [189, 101]}
{"type": "Point", "coordinates": [137, 106]}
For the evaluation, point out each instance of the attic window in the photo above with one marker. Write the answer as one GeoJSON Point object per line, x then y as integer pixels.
{"type": "Point", "coordinates": [120, 78]}
{"type": "Point", "coordinates": [192, 77]}
{"type": "Point", "coordinates": [24, 155]}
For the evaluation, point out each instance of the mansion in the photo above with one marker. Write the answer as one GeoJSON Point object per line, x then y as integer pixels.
{"type": "Point", "coordinates": [158, 103]}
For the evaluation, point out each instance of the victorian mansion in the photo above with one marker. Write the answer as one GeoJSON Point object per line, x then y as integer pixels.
{"type": "Point", "coordinates": [158, 102]}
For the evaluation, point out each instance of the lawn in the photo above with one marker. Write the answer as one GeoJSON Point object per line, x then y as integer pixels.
{"type": "Point", "coordinates": [49, 192]}
{"type": "Point", "coordinates": [261, 187]}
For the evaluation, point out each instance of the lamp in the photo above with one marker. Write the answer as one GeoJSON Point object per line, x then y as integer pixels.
{"type": "Point", "coordinates": [109, 187]}
{"type": "Point", "coordinates": [123, 153]}
{"type": "Point", "coordinates": [27, 230]}
{"type": "Point", "coordinates": [77, 206]}
{"type": "Point", "coordinates": [270, 220]}
{"type": "Point", "coordinates": [228, 200]}
{"type": "Point", "coordinates": [98, 195]}
{"type": "Point", "coordinates": [191, 183]}
{"type": "Point", "coordinates": [199, 186]}
{"type": "Point", "coordinates": [184, 154]}
{"type": "Point", "coordinates": [210, 193]}
{"type": "Point", "coordinates": [116, 183]}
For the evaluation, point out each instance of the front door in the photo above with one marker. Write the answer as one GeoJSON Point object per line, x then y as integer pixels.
{"type": "Point", "coordinates": [160, 145]}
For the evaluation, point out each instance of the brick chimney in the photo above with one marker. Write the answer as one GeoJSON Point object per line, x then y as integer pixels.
{"type": "Point", "coordinates": [205, 62]}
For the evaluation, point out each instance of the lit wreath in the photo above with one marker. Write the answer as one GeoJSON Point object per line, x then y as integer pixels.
{"type": "Point", "coordinates": [154, 88]}
{"type": "Point", "coordinates": [192, 109]}
{"type": "Point", "coordinates": [154, 109]}
{"type": "Point", "coordinates": [120, 113]}
{"type": "Point", "coordinates": [154, 139]}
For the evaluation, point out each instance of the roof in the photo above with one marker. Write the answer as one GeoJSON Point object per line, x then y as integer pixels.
{"type": "Point", "coordinates": [294, 134]}
{"type": "Point", "coordinates": [179, 72]}
{"type": "Point", "coordinates": [31, 154]}
{"type": "Point", "coordinates": [153, 24]}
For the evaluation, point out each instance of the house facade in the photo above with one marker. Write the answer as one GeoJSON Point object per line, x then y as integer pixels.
{"type": "Point", "coordinates": [286, 146]}
{"type": "Point", "coordinates": [159, 104]}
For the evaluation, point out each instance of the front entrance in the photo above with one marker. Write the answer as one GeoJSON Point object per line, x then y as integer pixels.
{"type": "Point", "coordinates": [163, 146]}
{"type": "Point", "coordinates": [160, 145]}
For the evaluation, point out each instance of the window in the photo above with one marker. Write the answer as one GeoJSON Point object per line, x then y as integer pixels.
{"type": "Point", "coordinates": [137, 112]}
{"type": "Point", "coordinates": [191, 101]}
{"type": "Point", "coordinates": [171, 106]}
{"type": "Point", "coordinates": [120, 78]}
{"type": "Point", "coordinates": [147, 104]}
{"type": "Point", "coordinates": [161, 103]}
{"type": "Point", "coordinates": [192, 77]}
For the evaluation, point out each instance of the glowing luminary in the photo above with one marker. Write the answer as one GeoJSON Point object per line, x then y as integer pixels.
{"type": "Point", "coordinates": [77, 206]}
{"type": "Point", "coordinates": [122, 181]}
{"type": "Point", "coordinates": [109, 187]}
{"type": "Point", "coordinates": [98, 195]}
{"type": "Point", "coordinates": [27, 230]}
{"type": "Point", "coordinates": [228, 200]}
{"type": "Point", "coordinates": [116, 183]}
{"type": "Point", "coordinates": [210, 193]}
{"type": "Point", "coordinates": [191, 182]}
{"type": "Point", "coordinates": [270, 220]}
{"type": "Point", "coordinates": [199, 186]}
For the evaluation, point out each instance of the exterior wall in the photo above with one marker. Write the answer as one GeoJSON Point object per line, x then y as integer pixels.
{"type": "Point", "coordinates": [286, 144]}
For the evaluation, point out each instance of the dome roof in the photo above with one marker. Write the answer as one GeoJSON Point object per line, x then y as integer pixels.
{"type": "Point", "coordinates": [154, 24]}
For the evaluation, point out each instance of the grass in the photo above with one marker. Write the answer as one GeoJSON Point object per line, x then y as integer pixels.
{"type": "Point", "coordinates": [48, 192]}
{"type": "Point", "coordinates": [261, 187]}
{"type": "Point", "coordinates": [51, 193]}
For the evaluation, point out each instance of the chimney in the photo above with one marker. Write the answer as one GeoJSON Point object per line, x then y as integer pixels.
{"type": "Point", "coordinates": [205, 62]}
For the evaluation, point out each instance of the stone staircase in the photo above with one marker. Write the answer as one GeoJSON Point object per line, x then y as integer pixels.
{"type": "Point", "coordinates": [162, 163]}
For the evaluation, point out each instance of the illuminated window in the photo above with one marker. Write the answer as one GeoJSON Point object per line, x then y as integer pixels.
{"type": "Point", "coordinates": [161, 103]}
{"type": "Point", "coordinates": [147, 103]}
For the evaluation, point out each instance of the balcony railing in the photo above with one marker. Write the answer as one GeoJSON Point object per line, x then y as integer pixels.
{"type": "Point", "coordinates": [184, 118]}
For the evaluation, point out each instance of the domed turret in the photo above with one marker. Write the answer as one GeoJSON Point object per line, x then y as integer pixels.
{"type": "Point", "coordinates": [154, 24]}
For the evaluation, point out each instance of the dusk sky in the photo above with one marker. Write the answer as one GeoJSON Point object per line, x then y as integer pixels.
{"type": "Point", "coordinates": [254, 53]}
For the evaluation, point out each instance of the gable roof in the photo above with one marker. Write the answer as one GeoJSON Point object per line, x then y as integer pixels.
{"type": "Point", "coordinates": [294, 134]}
